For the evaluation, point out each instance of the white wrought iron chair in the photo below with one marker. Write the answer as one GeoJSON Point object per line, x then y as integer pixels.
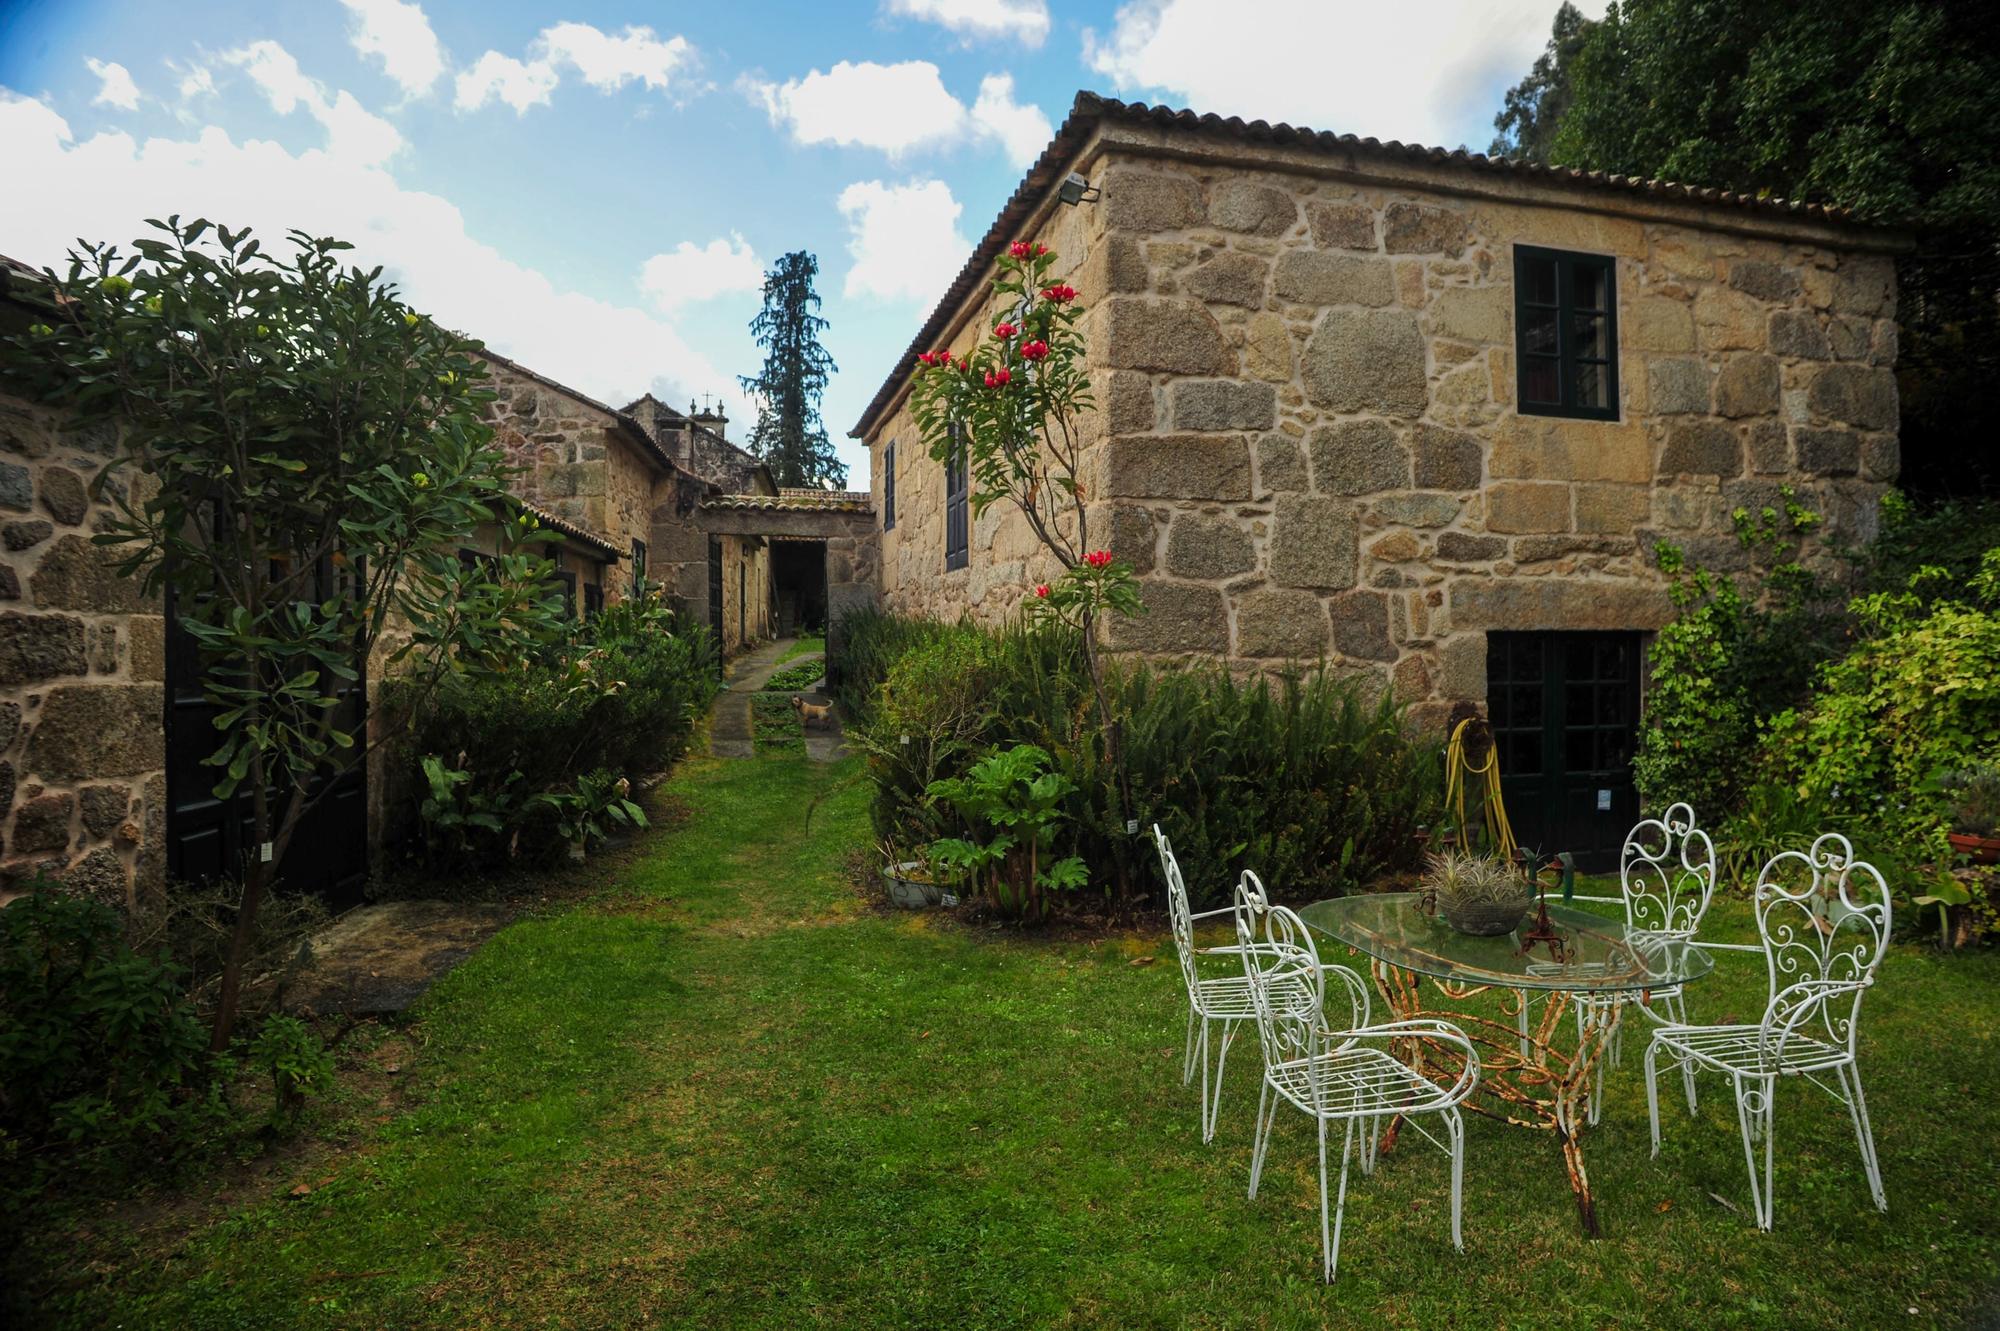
{"type": "Point", "coordinates": [1824, 919]}
{"type": "Point", "coordinates": [1219, 999]}
{"type": "Point", "coordinates": [1666, 878]}
{"type": "Point", "coordinates": [1333, 1075]}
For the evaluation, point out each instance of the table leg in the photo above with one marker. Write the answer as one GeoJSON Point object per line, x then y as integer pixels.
{"type": "Point", "coordinates": [1527, 1078]}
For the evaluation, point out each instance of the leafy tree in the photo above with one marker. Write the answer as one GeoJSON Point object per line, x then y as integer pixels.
{"type": "Point", "coordinates": [1889, 107]}
{"type": "Point", "coordinates": [302, 459]}
{"type": "Point", "coordinates": [789, 436]}
{"type": "Point", "coordinates": [1534, 107]}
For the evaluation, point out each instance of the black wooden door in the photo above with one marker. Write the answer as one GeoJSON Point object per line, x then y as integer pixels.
{"type": "Point", "coordinates": [210, 838]}
{"type": "Point", "coordinates": [1565, 713]}
{"type": "Point", "coordinates": [715, 595]}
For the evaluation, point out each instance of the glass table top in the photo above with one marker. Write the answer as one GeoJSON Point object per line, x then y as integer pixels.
{"type": "Point", "coordinates": [1596, 953]}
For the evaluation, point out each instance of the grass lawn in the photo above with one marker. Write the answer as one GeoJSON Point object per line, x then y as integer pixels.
{"type": "Point", "coordinates": [813, 643]}
{"type": "Point", "coordinates": [729, 1092]}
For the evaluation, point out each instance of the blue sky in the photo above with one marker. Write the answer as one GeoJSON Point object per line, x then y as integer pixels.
{"type": "Point", "coordinates": [595, 187]}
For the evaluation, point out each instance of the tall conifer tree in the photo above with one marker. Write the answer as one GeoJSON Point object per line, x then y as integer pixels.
{"type": "Point", "coordinates": [790, 437]}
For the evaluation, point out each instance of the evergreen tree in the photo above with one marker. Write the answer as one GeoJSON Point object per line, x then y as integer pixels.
{"type": "Point", "coordinates": [789, 437]}
{"type": "Point", "coordinates": [1534, 107]}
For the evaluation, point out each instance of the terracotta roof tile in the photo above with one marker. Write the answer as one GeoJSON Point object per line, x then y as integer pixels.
{"type": "Point", "coordinates": [1090, 109]}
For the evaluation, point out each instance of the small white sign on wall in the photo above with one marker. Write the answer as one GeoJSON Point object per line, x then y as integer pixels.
{"type": "Point", "coordinates": [1604, 801]}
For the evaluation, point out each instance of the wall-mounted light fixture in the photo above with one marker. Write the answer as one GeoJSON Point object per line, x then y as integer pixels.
{"type": "Point", "coordinates": [1075, 189]}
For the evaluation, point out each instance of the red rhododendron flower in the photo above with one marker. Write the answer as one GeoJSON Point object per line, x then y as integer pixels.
{"type": "Point", "coordinates": [1061, 293]}
{"type": "Point", "coordinates": [1040, 250]}
{"type": "Point", "coordinates": [1097, 558]}
{"type": "Point", "coordinates": [1019, 249]}
{"type": "Point", "coordinates": [1042, 590]}
{"type": "Point", "coordinates": [1004, 331]}
{"type": "Point", "coordinates": [1034, 350]}
{"type": "Point", "coordinates": [1002, 375]}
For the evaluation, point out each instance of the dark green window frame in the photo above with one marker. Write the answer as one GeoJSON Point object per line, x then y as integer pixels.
{"type": "Point", "coordinates": [957, 521]}
{"type": "Point", "coordinates": [1573, 373]}
{"type": "Point", "coordinates": [889, 486]}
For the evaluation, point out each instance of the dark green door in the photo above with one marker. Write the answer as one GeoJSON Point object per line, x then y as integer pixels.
{"type": "Point", "coordinates": [1565, 713]}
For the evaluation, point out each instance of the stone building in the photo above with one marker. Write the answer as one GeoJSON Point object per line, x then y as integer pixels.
{"type": "Point", "coordinates": [1423, 415]}
{"type": "Point", "coordinates": [103, 725]}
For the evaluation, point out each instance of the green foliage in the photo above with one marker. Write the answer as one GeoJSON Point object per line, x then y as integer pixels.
{"type": "Point", "coordinates": [1973, 798]}
{"type": "Point", "coordinates": [1728, 661]}
{"type": "Point", "coordinates": [1886, 106]}
{"type": "Point", "coordinates": [872, 641]}
{"type": "Point", "coordinates": [1298, 778]}
{"type": "Point", "coordinates": [788, 436]}
{"type": "Point", "coordinates": [102, 1059]}
{"type": "Point", "coordinates": [791, 679]}
{"type": "Point", "coordinates": [1533, 110]}
{"type": "Point", "coordinates": [314, 458]}
{"type": "Point", "coordinates": [1917, 697]}
{"type": "Point", "coordinates": [506, 756]}
{"type": "Point", "coordinates": [296, 1060]}
{"type": "Point", "coordinates": [1011, 805]}
{"type": "Point", "coordinates": [774, 723]}
{"type": "Point", "coordinates": [600, 805]}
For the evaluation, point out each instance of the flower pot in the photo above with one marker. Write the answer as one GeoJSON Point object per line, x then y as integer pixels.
{"type": "Point", "coordinates": [1486, 919]}
{"type": "Point", "coordinates": [1979, 849]}
{"type": "Point", "coordinates": [907, 892]}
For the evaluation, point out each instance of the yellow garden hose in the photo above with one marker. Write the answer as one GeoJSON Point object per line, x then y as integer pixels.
{"type": "Point", "coordinates": [1457, 766]}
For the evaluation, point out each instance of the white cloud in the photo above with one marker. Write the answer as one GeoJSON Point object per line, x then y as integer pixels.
{"type": "Point", "coordinates": [400, 34]}
{"type": "Point", "coordinates": [689, 273]}
{"type": "Point", "coordinates": [1024, 21]}
{"type": "Point", "coordinates": [1423, 71]}
{"type": "Point", "coordinates": [115, 86]}
{"type": "Point", "coordinates": [1023, 131]}
{"type": "Point", "coordinates": [503, 77]}
{"type": "Point", "coordinates": [606, 62]}
{"type": "Point", "coordinates": [904, 238]}
{"type": "Point", "coordinates": [899, 109]}
{"type": "Point", "coordinates": [354, 133]}
{"type": "Point", "coordinates": [199, 81]}
{"type": "Point", "coordinates": [105, 186]}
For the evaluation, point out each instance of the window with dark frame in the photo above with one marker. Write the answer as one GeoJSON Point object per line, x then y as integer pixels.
{"type": "Point", "coordinates": [593, 599]}
{"type": "Point", "coordinates": [889, 486]}
{"type": "Point", "coordinates": [638, 567]}
{"type": "Point", "coordinates": [1565, 334]}
{"type": "Point", "coordinates": [957, 531]}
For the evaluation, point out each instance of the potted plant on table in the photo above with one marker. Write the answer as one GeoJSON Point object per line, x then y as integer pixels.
{"type": "Point", "coordinates": [1477, 895]}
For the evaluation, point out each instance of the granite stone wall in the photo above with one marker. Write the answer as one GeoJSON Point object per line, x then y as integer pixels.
{"type": "Point", "coordinates": [83, 792]}
{"type": "Point", "coordinates": [1307, 441]}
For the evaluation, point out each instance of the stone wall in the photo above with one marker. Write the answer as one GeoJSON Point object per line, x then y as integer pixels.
{"type": "Point", "coordinates": [1307, 441]}
{"type": "Point", "coordinates": [83, 791]}
{"type": "Point", "coordinates": [746, 587]}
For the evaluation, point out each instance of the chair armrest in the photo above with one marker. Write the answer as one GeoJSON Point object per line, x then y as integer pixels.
{"type": "Point", "coordinates": [1427, 1029]}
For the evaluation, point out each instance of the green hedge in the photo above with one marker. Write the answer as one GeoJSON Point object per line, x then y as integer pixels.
{"type": "Point", "coordinates": [1302, 778]}
{"type": "Point", "coordinates": [621, 693]}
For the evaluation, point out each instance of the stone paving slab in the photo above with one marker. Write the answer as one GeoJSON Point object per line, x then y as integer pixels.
{"type": "Point", "coordinates": [380, 959]}
{"type": "Point", "coordinates": [730, 727]}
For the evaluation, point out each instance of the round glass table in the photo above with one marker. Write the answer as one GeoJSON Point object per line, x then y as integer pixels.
{"type": "Point", "coordinates": [1532, 1074]}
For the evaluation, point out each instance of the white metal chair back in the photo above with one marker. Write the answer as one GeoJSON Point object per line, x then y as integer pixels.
{"type": "Point", "coordinates": [1285, 957]}
{"type": "Point", "coordinates": [1180, 913]}
{"type": "Point", "coordinates": [1824, 917]}
{"type": "Point", "coordinates": [1666, 874]}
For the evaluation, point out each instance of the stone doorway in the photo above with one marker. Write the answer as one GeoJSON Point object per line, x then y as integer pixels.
{"type": "Point", "coordinates": [798, 575]}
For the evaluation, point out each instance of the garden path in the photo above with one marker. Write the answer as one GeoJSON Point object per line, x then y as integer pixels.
{"type": "Point", "coordinates": [730, 723]}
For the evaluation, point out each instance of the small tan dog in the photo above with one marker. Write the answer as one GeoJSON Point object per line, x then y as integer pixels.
{"type": "Point", "coordinates": [812, 714]}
